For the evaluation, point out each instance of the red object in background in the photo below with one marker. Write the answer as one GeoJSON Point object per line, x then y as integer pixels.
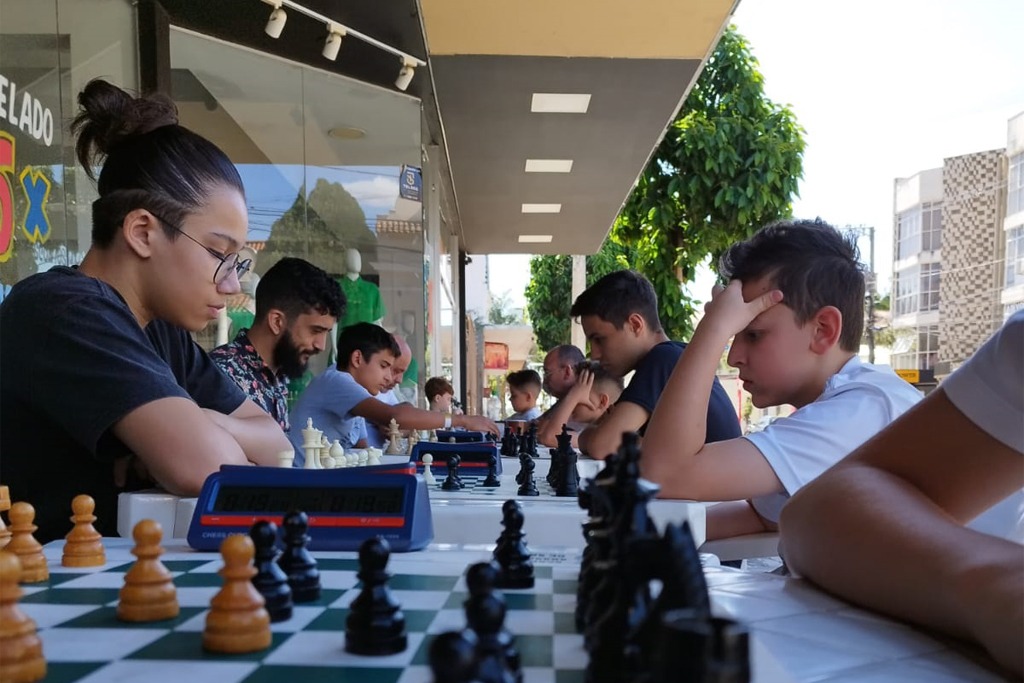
{"type": "Point", "coordinates": [495, 356]}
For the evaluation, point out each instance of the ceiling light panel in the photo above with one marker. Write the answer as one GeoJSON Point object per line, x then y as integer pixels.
{"type": "Point", "coordinates": [542, 208]}
{"type": "Point", "coordinates": [549, 165]}
{"type": "Point", "coordinates": [535, 239]}
{"type": "Point", "coordinates": [560, 103]}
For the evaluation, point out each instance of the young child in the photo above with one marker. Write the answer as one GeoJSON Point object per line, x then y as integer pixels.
{"type": "Point", "coordinates": [524, 390]}
{"type": "Point", "coordinates": [586, 401]}
{"type": "Point", "coordinates": [342, 399]}
{"type": "Point", "coordinates": [795, 304]}
{"type": "Point", "coordinates": [439, 392]}
{"type": "Point", "coordinates": [619, 315]}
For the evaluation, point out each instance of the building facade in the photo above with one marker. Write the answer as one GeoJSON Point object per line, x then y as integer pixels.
{"type": "Point", "coordinates": [1012, 296]}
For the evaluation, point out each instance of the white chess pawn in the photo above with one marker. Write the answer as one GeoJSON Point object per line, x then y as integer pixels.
{"type": "Point", "coordinates": [285, 458]}
{"type": "Point", "coordinates": [428, 476]}
{"type": "Point", "coordinates": [353, 459]}
{"type": "Point", "coordinates": [363, 457]}
{"type": "Point", "coordinates": [338, 454]}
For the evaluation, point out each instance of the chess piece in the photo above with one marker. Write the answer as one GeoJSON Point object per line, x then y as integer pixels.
{"type": "Point", "coordinates": [527, 487]}
{"type": "Point", "coordinates": [5, 505]}
{"type": "Point", "coordinates": [296, 562]}
{"type": "Point", "coordinates": [452, 657]}
{"type": "Point", "coordinates": [433, 435]}
{"type": "Point", "coordinates": [451, 482]}
{"type": "Point", "coordinates": [311, 445]}
{"type": "Point", "coordinates": [412, 441]}
{"type": "Point", "coordinates": [25, 546]}
{"type": "Point", "coordinates": [511, 553]}
{"type": "Point", "coordinates": [83, 546]}
{"type": "Point", "coordinates": [337, 454]}
{"type": "Point", "coordinates": [394, 447]}
{"type": "Point", "coordinates": [148, 593]}
{"type": "Point", "coordinates": [286, 458]}
{"type": "Point", "coordinates": [458, 467]}
{"type": "Point", "coordinates": [375, 624]}
{"type": "Point", "coordinates": [491, 481]}
{"type": "Point", "coordinates": [428, 476]}
{"type": "Point", "coordinates": [497, 657]}
{"type": "Point", "coordinates": [237, 621]}
{"type": "Point", "coordinates": [374, 455]}
{"type": "Point", "coordinates": [481, 579]}
{"type": "Point", "coordinates": [270, 580]}
{"type": "Point", "coordinates": [21, 650]}
{"type": "Point", "coordinates": [326, 461]}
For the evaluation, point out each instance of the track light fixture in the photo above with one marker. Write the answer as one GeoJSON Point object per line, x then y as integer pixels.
{"type": "Point", "coordinates": [406, 73]}
{"type": "Point", "coordinates": [335, 32]}
{"type": "Point", "coordinates": [276, 22]}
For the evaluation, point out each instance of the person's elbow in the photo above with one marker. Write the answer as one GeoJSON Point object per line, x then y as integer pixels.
{"type": "Point", "coordinates": [601, 443]}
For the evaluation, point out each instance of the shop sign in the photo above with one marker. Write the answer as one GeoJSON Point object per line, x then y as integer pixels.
{"type": "Point", "coordinates": [495, 356]}
{"type": "Point", "coordinates": [912, 376]}
{"type": "Point", "coordinates": [22, 113]}
{"type": "Point", "coordinates": [410, 185]}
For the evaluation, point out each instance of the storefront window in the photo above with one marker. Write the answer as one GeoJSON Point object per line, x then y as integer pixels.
{"type": "Point", "coordinates": [49, 50]}
{"type": "Point", "coordinates": [331, 170]}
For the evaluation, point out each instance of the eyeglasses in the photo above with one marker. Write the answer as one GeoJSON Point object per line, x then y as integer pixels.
{"type": "Point", "coordinates": [228, 262]}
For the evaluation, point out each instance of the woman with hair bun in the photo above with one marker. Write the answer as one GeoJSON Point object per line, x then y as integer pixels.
{"type": "Point", "coordinates": [102, 382]}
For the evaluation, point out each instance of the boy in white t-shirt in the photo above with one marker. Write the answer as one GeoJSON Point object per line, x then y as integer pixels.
{"type": "Point", "coordinates": [898, 506]}
{"type": "Point", "coordinates": [795, 312]}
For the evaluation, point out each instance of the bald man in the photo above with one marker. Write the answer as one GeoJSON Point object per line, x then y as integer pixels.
{"type": "Point", "coordinates": [376, 435]}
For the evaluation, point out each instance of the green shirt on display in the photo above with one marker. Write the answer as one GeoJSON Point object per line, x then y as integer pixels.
{"type": "Point", "coordinates": [363, 302]}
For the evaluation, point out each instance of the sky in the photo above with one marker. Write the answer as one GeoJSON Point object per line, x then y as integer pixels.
{"type": "Point", "coordinates": [883, 89]}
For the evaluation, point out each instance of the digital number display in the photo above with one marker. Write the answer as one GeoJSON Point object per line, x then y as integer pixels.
{"type": "Point", "coordinates": [312, 500]}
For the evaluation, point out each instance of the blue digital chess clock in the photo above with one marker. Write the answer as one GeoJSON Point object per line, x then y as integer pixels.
{"type": "Point", "coordinates": [345, 506]}
{"type": "Point", "coordinates": [475, 456]}
{"type": "Point", "coordinates": [462, 435]}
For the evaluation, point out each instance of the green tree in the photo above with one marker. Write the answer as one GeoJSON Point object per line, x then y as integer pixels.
{"type": "Point", "coordinates": [729, 163]}
{"type": "Point", "coordinates": [548, 297]}
{"type": "Point", "coordinates": [319, 227]}
{"type": "Point", "coordinates": [501, 311]}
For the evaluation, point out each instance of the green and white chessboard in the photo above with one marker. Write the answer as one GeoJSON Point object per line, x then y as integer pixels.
{"type": "Point", "coordinates": [83, 641]}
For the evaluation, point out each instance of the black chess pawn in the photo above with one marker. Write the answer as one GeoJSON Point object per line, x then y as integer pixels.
{"type": "Point", "coordinates": [451, 482]}
{"type": "Point", "coordinates": [531, 440]}
{"type": "Point", "coordinates": [492, 480]}
{"type": "Point", "coordinates": [527, 486]}
{"type": "Point", "coordinates": [458, 464]}
{"type": "Point", "coordinates": [452, 657]}
{"type": "Point", "coordinates": [296, 562]}
{"type": "Point", "coordinates": [270, 580]}
{"type": "Point", "coordinates": [481, 581]}
{"type": "Point", "coordinates": [375, 624]}
{"type": "Point", "coordinates": [511, 553]}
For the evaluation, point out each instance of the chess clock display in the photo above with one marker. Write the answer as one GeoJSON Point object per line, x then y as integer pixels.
{"type": "Point", "coordinates": [345, 507]}
{"type": "Point", "coordinates": [475, 456]}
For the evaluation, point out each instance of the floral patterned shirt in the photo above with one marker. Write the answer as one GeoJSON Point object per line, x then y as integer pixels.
{"type": "Point", "coordinates": [243, 364]}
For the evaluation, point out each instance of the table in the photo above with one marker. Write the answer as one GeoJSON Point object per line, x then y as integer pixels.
{"type": "Point", "coordinates": [468, 516]}
{"type": "Point", "coordinates": [798, 633]}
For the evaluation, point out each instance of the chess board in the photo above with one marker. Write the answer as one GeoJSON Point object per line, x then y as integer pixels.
{"type": "Point", "coordinates": [473, 480]}
{"type": "Point", "coordinates": [84, 642]}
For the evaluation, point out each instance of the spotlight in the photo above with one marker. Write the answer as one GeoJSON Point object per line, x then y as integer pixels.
{"type": "Point", "coordinates": [276, 23]}
{"type": "Point", "coordinates": [333, 43]}
{"type": "Point", "coordinates": [406, 74]}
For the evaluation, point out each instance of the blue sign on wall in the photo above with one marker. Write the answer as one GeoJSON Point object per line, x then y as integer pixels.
{"type": "Point", "coordinates": [410, 184]}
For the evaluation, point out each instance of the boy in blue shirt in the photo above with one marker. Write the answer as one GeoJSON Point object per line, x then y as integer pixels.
{"type": "Point", "coordinates": [342, 399]}
{"type": "Point", "coordinates": [794, 309]}
{"type": "Point", "coordinates": [524, 390]}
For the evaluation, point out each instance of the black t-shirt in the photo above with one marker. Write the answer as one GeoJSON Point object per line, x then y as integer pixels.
{"type": "Point", "coordinates": [74, 361]}
{"type": "Point", "coordinates": [650, 377]}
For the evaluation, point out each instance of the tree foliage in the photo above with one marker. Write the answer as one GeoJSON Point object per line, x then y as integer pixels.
{"type": "Point", "coordinates": [729, 163]}
{"type": "Point", "coordinates": [319, 228]}
{"type": "Point", "coordinates": [548, 295]}
{"type": "Point", "coordinates": [501, 311]}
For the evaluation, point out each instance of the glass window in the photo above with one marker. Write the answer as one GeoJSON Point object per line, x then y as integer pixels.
{"type": "Point", "coordinates": [49, 50]}
{"type": "Point", "coordinates": [931, 226]}
{"type": "Point", "coordinates": [1015, 185]}
{"type": "Point", "coordinates": [908, 233]}
{"type": "Point", "coordinates": [907, 285]}
{"type": "Point", "coordinates": [930, 274]}
{"type": "Point", "coordinates": [331, 170]}
{"type": "Point", "coordinates": [1015, 257]}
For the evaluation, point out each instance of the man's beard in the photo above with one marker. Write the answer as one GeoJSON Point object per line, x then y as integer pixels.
{"type": "Point", "coordinates": [288, 357]}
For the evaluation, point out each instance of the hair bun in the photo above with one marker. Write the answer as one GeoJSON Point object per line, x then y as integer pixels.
{"type": "Point", "coordinates": [109, 116]}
